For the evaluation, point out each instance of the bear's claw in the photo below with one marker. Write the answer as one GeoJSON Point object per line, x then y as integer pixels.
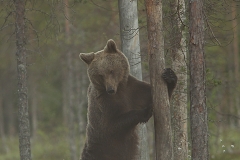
{"type": "Point", "coordinates": [169, 76]}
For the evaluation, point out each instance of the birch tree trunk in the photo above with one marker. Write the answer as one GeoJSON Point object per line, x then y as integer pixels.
{"type": "Point", "coordinates": [179, 65]}
{"type": "Point", "coordinates": [129, 30]}
{"type": "Point", "coordinates": [23, 117]}
{"type": "Point", "coordinates": [162, 116]}
{"type": "Point", "coordinates": [198, 108]}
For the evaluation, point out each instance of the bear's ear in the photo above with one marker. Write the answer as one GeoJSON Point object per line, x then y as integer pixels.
{"type": "Point", "coordinates": [87, 57]}
{"type": "Point", "coordinates": [110, 47]}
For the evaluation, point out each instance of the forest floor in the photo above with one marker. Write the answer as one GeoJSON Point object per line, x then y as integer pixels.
{"type": "Point", "coordinates": [225, 146]}
{"type": "Point", "coordinates": [227, 156]}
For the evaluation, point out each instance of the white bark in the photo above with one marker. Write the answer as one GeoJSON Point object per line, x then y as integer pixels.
{"type": "Point", "coordinates": [179, 99]}
{"type": "Point", "coordinates": [131, 48]}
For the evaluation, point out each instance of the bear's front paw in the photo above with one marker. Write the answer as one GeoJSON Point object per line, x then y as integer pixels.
{"type": "Point", "coordinates": [169, 76]}
{"type": "Point", "coordinates": [146, 114]}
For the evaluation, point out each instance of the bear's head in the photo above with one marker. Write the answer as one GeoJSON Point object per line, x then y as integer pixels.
{"type": "Point", "coordinates": [108, 68]}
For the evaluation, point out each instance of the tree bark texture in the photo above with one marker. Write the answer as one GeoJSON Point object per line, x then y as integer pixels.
{"type": "Point", "coordinates": [23, 117]}
{"type": "Point", "coordinates": [198, 108]}
{"type": "Point", "coordinates": [129, 30]}
{"type": "Point", "coordinates": [162, 115]}
{"type": "Point", "coordinates": [179, 99]}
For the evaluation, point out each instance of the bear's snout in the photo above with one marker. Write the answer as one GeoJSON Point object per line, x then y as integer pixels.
{"type": "Point", "coordinates": [111, 90]}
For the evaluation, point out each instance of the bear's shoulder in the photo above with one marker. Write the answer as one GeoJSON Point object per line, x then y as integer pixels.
{"type": "Point", "coordinates": [136, 85]}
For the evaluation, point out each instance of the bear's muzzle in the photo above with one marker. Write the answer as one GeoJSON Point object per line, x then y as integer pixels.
{"type": "Point", "coordinates": [111, 90]}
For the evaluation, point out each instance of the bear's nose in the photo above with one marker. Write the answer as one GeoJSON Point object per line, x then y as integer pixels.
{"type": "Point", "coordinates": [110, 90]}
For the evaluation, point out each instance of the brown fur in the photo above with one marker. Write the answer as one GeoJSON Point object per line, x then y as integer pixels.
{"type": "Point", "coordinates": [117, 102]}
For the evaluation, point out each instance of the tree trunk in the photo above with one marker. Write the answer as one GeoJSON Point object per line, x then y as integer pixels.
{"type": "Point", "coordinates": [236, 58]}
{"type": "Point", "coordinates": [198, 108]}
{"type": "Point", "coordinates": [70, 88]}
{"type": "Point", "coordinates": [23, 117]}
{"type": "Point", "coordinates": [179, 65]}
{"type": "Point", "coordinates": [162, 116]}
{"type": "Point", "coordinates": [129, 30]}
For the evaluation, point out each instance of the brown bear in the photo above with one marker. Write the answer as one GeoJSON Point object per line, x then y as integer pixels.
{"type": "Point", "coordinates": [117, 102]}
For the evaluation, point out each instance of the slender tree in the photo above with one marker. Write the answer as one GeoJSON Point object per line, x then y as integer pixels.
{"type": "Point", "coordinates": [179, 100]}
{"type": "Point", "coordinates": [198, 108]}
{"type": "Point", "coordinates": [129, 30]}
{"type": "Point", "coordinates": [162, 116]}
{"type": "Point", "coordinates": [70, 87]}
{"type": "Point", "coordinates": [23, 117]}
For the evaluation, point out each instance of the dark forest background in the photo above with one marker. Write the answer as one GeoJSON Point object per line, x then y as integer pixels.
{"type": "Point", "coordinates": [56, 30]}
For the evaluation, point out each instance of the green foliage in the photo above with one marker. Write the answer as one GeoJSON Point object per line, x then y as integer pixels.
{"type": "Point", "coordinates": [225, 145]}
{"type": "Point", "coordinates": [50, 146]}
{"type": "Point", "coordinates": [227, 156]}
{"type": "Point", "coordinates": [11, 152]}
{"type": "Point", "coordinates": [211, 81]}
{"type": "Point", "coordinates": [47, 146]}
